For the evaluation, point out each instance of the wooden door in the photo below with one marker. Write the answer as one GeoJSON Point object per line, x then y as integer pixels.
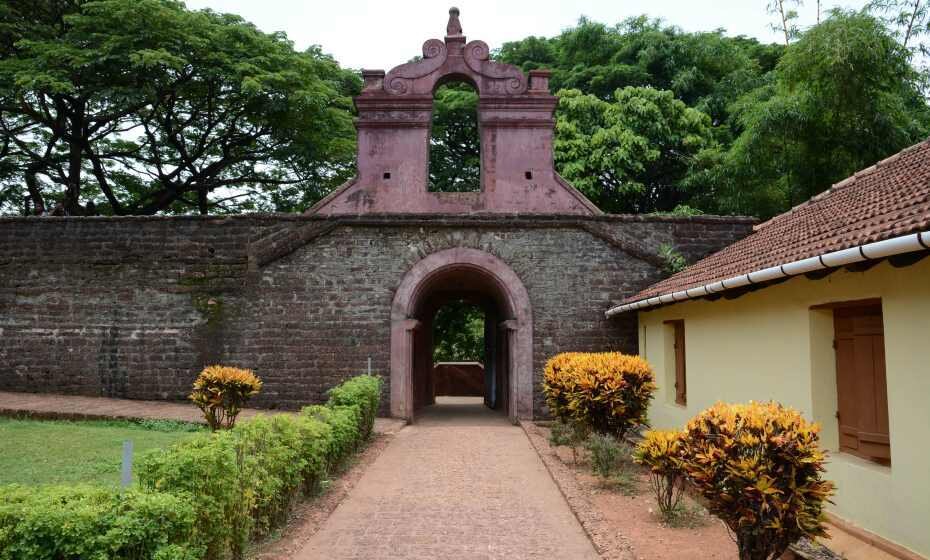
{"type": "Point", "coordinates": [681, 382]}
{"type": "Point", "coordinates": [502, 381]}
{"type": "Point", "coordinates": [862, 393]}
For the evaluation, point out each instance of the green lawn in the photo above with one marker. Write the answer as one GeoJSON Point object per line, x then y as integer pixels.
{"type": "Point", "coordinates": [54, 451]}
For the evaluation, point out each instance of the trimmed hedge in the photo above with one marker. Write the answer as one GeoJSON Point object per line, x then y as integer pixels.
{"type": "Point", "coordinates": [265, 463]}
{"type": "Point", "coordinates": [316, 439]}
{"type": "Point", "coordinates": [343, 422]}
{"type": "Point", "coordinates": [270, 468]}
{"type": "Point", "coordinates": [363, 391]}
{"type": "Point", "coordinates": [204, 468]}
{"type": "Point", "coordinates": [203, 498]}
{"type": "Point", "coordinates": [94, 523]}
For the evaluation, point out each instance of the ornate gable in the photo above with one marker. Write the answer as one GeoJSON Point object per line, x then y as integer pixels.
{"type": "Point", "coordinates": [515, 121]}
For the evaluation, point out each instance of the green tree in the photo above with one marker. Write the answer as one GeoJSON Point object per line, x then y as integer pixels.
{"type": "Point", "coordinates": [634, 153]}
{"type": "Point", "coordinates": [141, 106]}
{"type": "Point", "coordinates": [843, 97]}
{"type": "Point", "coordinates": [454, 150]}
{"type": "Point", "coordinates": [909, 19]}
{"type": "Point", "coordinates": [458, 333]}
{"type": "Point", "coordinates": [706, 70]}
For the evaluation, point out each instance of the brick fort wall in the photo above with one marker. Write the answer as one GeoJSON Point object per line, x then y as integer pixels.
{"type": "Point", "coordinates": [134, 307]}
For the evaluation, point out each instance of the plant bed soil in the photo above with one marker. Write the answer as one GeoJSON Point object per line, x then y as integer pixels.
{"type": "Point", "coordinates": [623, 526]}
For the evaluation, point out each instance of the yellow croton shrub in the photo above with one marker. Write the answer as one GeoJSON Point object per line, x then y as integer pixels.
{"type": "Point", "coordinates": [760, 467]}
{"type": "Point", "coordinates": [660, 452]}
{"type": "Point", "coordinates": [221, 392]}
{"type": "Point", "coordinates": [607, 392]}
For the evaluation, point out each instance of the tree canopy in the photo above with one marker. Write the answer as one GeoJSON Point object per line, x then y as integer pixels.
{"type": "Point", "coordinates": [706, 70]}
{"type": "Point", "coordinates": [652, 118]}
{"type": "Point", "coordinates": [144, 106]}
{"type": "Point", "coordinates": [632, 153]}
{"type": "Point", "coordinates": [841, 98]}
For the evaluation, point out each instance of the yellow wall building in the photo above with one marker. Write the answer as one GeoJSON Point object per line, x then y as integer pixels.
{"type": "Point", "coordinates": [825, 308]}
{"type": "Point", "coordinates": [771, 345]}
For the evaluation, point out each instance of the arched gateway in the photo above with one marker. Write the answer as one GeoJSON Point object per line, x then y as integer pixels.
{"type": "Point", "coordinates": [515, 116]}
{"type": "Point", "coordinates": [310, 300]}
{"type": "Point", "coordinates": [483, 278]}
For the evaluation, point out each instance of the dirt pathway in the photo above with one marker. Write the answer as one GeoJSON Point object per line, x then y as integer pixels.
{"type": "Point", "coordinates": [462, 483]}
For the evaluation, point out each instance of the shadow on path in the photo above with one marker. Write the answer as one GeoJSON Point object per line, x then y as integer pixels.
{"type": "Point", "coordinates": [460, 411]}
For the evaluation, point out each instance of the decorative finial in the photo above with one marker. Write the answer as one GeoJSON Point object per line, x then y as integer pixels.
{"type": "Point", "coordinates": [454, 29]}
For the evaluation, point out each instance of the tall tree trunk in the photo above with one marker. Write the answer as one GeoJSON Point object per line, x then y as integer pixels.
{"type": "Point", "coordinates": [910, 23]}
{"type": "Point", "coordinates": [76, 142]}
{"type": "Point", "coordinates": [32, 186]}
{"type": "Point", "coordinates": [202, 203]}
{"type": "Point", "coordinates": [784, 22]}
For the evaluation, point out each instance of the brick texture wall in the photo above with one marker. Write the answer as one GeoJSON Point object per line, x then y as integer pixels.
{"type": "Point", "coordinates": [134, 307]}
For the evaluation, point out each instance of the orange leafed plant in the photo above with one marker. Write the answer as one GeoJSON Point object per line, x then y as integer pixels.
{"type": "Point", "coordinates": [607, 392]}
{"type": "Point", "coordinates": [659, 451]}
{"type": "Point", "coordinates": [221, 392]}
{"type": "Point", "coordinates": [760, 466]}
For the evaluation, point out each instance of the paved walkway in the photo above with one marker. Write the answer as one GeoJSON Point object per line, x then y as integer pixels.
{"type": "Point", "coordinates": [462, 483]}
{"type": "Point", "coordinates": [76, 407]}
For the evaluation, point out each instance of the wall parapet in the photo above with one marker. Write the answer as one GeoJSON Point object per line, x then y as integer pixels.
{"type": "Point", "coordinates": [401, 217]}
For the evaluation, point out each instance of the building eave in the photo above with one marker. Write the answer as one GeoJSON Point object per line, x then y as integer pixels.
{"type": "Point", "coordinates": [872, 251]}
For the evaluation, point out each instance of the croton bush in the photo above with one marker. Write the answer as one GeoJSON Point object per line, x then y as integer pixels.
{"type": "Point", "coordinates": [605, 392]}
{"type": "Point", "coordinates": [660, 452]}
{"type": "Point", "coordinates": [222, 391]}
{"type": "Point", "coordinates": [760, 467]}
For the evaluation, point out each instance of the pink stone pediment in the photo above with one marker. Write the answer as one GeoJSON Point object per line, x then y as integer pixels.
{"type": "Point", "coordinates": [453, 58]}
{"type": "Point", "coordinates": [516, 128]}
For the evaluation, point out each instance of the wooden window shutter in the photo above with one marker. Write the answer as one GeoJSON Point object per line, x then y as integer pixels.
{"type": "Point", "coordinates": [681, 385]}
{"type": "Point", "coordinates": [862, 392]}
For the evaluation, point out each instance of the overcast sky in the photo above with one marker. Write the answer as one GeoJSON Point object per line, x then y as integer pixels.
{"type": "Point", "coordinates": [384, 33]}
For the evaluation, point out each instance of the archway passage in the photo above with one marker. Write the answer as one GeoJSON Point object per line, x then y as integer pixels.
{"type": "Point", "coordinates": [459, 353]}
{"type": "Point", "coordinates": [455, 290]}
{"type": "Point", "coordinates": [475, 278]}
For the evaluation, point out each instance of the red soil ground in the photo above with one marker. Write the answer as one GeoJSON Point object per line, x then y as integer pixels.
{"type": "Point", "coordinates": [633, 518]}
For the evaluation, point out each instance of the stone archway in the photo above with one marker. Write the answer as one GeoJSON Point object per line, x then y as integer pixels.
{"type": "Point", "coordinates": [515, 323]}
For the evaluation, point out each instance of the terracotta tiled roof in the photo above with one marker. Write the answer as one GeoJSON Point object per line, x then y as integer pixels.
{"type": "Point", "coordinates": [889, 199]}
